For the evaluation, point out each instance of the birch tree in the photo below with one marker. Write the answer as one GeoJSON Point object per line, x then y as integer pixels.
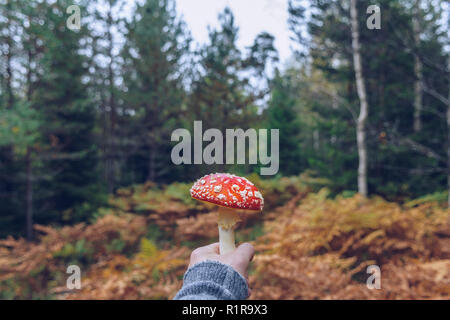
{"type": "Point", "coordinates": [364, 106]}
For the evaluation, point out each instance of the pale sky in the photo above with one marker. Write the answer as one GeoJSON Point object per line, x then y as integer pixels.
{"type": "Point", "coordinates": [252, 17]}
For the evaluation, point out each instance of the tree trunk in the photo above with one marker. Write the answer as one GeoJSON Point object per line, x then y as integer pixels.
{"type": "Point", "coordinates": [105, 135]}
{"type": "Point", "coordinates": [417, 70]}
{"type": "Point", "coordinates": [29, 196]}
{"type": "Point", "coordinates": [151, 163]}
{"type": "Point", "coordinates": [448, 152]}
{"type": "Point", "coordinates": [364, 107]}
{"type": "Point", "coordinates": [28, 156]}
{"type": "Point", "coordinates": [448, 139]}
{"type": "Point", "coordinates": [316, 140]}
{"type": "Point", "coordinates": [9, 54]}
{"type": "Point", "coordinates": [111, 167]}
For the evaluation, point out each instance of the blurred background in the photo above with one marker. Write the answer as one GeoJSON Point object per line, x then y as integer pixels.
{"type": "Point", "coordinates": [86, 117]}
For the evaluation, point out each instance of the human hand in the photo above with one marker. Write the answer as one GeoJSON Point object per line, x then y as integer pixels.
{"type": "Point", "coordinates": [238, 259]}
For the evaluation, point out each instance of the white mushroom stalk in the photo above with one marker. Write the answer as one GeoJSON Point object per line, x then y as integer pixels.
{"type": "Point", "coordinates": [227, 222]}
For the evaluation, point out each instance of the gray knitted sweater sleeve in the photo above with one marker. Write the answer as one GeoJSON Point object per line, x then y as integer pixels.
{"type": "Point", "coordinates": [212, 280]}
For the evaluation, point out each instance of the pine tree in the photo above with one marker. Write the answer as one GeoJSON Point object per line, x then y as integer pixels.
{"type": "Point", "coordinates": [19, 126]}
{"type": "Point", "coordinates": [60, 95]}
{"type": "Point", "coordinates": [282, 114]}
{"type": "Point", "coordinates": [105, 67]}
{"type": "Point", "coordinates": [222, 94]}
{"type": "Point", "coordinates": [154, 64]}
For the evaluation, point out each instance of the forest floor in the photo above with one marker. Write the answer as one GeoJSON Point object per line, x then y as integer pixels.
{"type": "Point", "coordinates": [308, 246]}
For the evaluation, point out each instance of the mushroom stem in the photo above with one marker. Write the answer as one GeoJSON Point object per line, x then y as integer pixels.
{"type": "Point", "coordinates": [227, 221]}
{"type": "Point", "coordinates": [226, 240]}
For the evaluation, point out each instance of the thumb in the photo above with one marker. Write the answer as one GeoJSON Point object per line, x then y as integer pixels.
{"type": "Point", "coordinates": [245, 251]}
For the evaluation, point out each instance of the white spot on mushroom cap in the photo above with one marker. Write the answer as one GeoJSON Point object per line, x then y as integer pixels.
{"type": "Point", "coordinates": [218, 188]}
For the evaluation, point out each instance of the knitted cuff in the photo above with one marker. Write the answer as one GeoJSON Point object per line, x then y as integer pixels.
{"type": "Point", "coordinates": [216, 279]}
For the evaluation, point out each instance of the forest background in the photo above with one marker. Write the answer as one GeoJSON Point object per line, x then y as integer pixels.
{"type": "Point", "coordinates": [86, 118]}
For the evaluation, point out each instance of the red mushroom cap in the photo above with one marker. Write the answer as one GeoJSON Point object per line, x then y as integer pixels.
{"type": "Point", "coordinates": [229, 191]}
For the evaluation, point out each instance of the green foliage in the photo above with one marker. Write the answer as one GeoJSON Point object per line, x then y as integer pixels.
{"type": "Point", "coordinates": [19, 127]}
{"type": "Point", "coordinates": [116, 246]}
{"type": "Point", "coordinates": [8, 293]}
{"type": "Point", "coordinates": [277, 191]}
{"type": "Point", "coordinates": [253, 233]}
{"type": "Point", "coordinates": [57, 116]}
{"type": "Point", "coordinates": [154, 57]}
{"type": "Point", "coordinates": [155, 234]}
{"type": "Point", "coordinates": [148, 248]}
{"type": "Point", "coordinates": [439, 197]}
{"type": "Point", "coordinates": [178, 191]}
{"type": "Point", "coordinates": [348, 193]}
{"type": "Point", "coordinates": [223, 94]}
{"type": "Point", "coordinates": [282, 115]}
{"type": "Point", "coordinates": [79, 252]}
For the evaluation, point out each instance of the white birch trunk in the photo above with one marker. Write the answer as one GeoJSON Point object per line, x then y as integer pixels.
{"type": "Point", "coordinates": [364, 107]}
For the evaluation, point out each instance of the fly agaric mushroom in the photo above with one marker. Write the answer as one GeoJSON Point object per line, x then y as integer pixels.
{"type": "Point", "coordinates": [230, 193]}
